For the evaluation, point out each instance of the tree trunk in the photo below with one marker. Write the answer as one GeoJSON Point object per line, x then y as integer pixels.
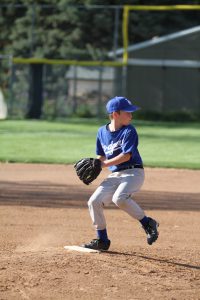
{"type": "Point", "coordinates": [35, 92]}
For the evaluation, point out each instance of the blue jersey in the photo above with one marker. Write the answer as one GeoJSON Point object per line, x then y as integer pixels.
{"type": "Point", "coordinates": [125, 140]}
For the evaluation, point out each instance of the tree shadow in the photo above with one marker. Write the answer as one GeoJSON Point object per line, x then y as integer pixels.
{"type": "Point", "coordinates": [45, 194]}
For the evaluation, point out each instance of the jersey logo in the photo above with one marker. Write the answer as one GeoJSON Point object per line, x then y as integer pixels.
{"type": "Point", "coordinates": [108, 150]}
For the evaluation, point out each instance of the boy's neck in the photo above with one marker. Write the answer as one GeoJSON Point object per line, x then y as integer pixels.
{"type": "Point", "coordinates": [114, 126]}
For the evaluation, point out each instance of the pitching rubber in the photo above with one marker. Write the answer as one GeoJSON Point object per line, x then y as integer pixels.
{"type": "Point", "coordinates": [80, 249]}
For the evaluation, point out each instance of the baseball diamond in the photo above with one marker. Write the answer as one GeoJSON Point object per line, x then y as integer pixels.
{"type": "Point", "coordinates": [44, 208]}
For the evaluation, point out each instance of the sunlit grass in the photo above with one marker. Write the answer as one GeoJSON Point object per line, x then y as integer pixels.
{"type": "Point", "coordinates": [161, 144]}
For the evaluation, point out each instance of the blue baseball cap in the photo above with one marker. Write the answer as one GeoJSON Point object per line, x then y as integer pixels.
{"type": "Point", "coordinates": [120, 103]}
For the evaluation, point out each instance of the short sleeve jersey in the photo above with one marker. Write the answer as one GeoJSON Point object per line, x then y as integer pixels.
{"type": "Point", "coordinates": [110, 144]}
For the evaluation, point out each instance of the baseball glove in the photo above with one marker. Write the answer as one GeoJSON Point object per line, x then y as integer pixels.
{"type": "Point", "coordinates": [87, 169]}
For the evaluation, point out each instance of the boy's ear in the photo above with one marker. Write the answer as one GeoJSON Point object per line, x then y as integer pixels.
{"type": "Point", "coordinates": [116, 114]}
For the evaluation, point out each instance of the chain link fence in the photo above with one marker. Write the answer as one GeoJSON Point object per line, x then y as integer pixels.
{"type": "Point", "coordinates": [67, 90]}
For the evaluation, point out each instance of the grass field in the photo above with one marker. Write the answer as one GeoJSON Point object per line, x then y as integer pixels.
{"type": "Point", "coordinates": [161, 144]}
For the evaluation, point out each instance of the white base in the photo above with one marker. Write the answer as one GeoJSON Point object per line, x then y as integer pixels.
{"type": "Point", "coordinates": [80, 249]}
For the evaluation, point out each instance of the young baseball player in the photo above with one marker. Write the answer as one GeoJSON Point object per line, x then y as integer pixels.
{"type": "Point", "coordinates": [117, 148]}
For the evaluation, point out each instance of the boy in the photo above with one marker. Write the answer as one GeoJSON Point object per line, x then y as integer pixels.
{"type": "Point", "coordinates": [117, 148]}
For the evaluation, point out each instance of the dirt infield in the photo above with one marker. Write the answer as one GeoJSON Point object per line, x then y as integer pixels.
{"type": "Point", "coordinates": [44, 207]}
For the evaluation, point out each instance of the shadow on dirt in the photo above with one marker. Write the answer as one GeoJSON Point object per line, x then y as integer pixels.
{"type": "Point", "coordinates": [41, 194]}
{"type": "Point", "coordinates": [160, 260]}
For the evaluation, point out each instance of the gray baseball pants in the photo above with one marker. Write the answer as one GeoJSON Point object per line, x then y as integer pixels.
{"type": "Point", "coordinates": [118, 188]}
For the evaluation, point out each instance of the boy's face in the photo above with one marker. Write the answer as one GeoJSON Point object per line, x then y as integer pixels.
{"type": "Point", "coordinates": [123, 117]}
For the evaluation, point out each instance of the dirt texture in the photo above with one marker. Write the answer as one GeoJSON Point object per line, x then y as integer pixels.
{"type": "Point", "coordinates": [44, 207]}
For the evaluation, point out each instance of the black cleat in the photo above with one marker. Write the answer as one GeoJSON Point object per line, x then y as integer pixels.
{"type": "Point", "coordinates": [98, 244]}
{"type": "Point", "coordinates": [151, 231]}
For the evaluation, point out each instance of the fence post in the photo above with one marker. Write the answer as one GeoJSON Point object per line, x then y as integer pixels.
{"type": "Point", "coordinates": [99, 100]}
{"type": "Point", "coordinates": [124, 79]}
{"type": "Point", "coordinates": [11, 80]}
{"type": "Point", "coordinates": [74, 99]}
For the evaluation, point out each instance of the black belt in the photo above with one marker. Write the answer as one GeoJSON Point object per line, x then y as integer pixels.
{"type": "Point", "coordinates": [130, 167]}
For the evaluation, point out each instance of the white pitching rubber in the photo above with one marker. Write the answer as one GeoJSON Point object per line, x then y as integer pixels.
{"type": "Point", "coordinates": [80, 249]}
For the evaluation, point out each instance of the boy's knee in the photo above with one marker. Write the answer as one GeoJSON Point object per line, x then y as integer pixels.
{"type": "Point", "coordinates": [121, 200]}
{"type": "Point", "coordinates": [93, 202]}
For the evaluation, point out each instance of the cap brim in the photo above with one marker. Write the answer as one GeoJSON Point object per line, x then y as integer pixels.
{"type": "Point", "coordinates": [132, 108]}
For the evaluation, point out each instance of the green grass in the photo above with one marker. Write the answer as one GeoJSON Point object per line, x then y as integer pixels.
{"type": "Point", "coordinates": [161, 144]}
